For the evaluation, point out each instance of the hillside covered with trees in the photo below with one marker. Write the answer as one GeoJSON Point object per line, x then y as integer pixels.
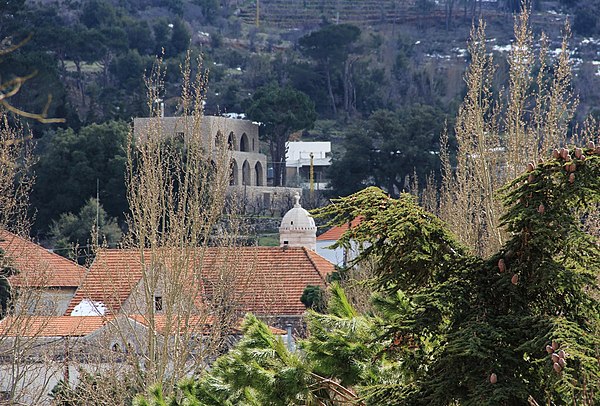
{"type": "Point", "coordinates": [393, 74]}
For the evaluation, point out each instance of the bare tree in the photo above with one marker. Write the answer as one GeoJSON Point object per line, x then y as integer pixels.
{"type": "Point", "coordinates": [499, 133]}
{"type": "Point", "coordinates": [11, 87]}
{"type": "Point", "coordinates": [177, 195]}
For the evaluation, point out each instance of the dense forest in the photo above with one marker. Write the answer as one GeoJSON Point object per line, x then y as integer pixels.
{"type": "Point", "coordinates": [383, 88]}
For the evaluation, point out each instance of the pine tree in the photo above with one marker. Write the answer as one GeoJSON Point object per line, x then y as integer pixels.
{"type": "Point", "coordinates": [523, 323]}
{"type": "Point", "coordinates": [448, 327]}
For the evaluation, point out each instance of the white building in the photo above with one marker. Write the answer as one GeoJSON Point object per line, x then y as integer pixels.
{"type": "Point", "coordinates": [298, 162]}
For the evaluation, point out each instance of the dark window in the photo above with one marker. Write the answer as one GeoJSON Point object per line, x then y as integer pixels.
{"type": "Point", "coordinates": [158, 303]}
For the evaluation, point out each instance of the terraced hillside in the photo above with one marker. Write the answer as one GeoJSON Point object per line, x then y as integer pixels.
{"type": "Point", "coordinates": [309, 12]}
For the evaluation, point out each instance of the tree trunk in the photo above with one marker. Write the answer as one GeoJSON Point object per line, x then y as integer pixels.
{"type": "Point", "coordinates": [80, 81]}
{"type": "Point", "coordinates": [348, 87]}
{"type": "Point", "coordinates": [330, 89]}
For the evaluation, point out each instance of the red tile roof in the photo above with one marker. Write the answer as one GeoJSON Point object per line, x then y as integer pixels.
{"type": "Point", "coordinates": [201, 324]}
{"type": "Point", "coordinates": [51, 326]}
{"type": "Point", "coordinates": [37, 266]}
{"type": "Point", "coordinates": [335, 232]}
{"type": "Point", "coordinates": [261, 280]}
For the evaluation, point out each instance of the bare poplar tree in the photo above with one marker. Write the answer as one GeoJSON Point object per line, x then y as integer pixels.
{"type": "Point", "coordinates": [178, 218]}
{"type": "Point", "coordinates": [499, 133]}
{"type": "Point", "coordinates": [20, 380]}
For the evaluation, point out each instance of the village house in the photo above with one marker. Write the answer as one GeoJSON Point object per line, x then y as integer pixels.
{"type": "Point", "coordinates": [266, 281]}
{"type": "Point", "coordinates": [338, 256]}
{"type": "Point", "coordinates": [304, 156]}
{"type": "Point", "coordinates": [46, 282]}
{"type": "Point", "coordinates": [199, 294]}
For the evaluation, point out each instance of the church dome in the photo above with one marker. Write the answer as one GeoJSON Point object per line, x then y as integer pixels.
{"type": "Point", "coordinates": [298, 228]}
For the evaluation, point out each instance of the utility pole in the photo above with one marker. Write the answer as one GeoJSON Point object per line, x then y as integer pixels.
{"type": "Point", "coordinates": [312, 176]}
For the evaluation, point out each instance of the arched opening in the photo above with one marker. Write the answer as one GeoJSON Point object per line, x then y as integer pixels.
{"type": "Point", "coordinates": [231, 142]}
{"type": "Point", "coordinates": [246, 174]}
{"type": "Point", "coordinates": [244, 143]}
{"type": "Point", "coordinates": [233, 177]}
{"type": "Point", "coordinates": [258, 172]}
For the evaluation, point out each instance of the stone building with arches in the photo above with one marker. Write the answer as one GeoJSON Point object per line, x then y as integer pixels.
{"type": "Point", "coordinates": [248, 165]}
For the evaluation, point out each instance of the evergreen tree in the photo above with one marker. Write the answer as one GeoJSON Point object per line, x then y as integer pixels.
{"type": "Point", "coordinates": [523, 323]}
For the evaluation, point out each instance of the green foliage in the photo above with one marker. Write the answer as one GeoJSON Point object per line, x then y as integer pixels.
{"type": "Point", "coordinates": [281, 110]}
{"type": "Point", "coordinates": [472, 320]}
{"type": "Point", "coordinates": [331, 44]}
{"type": "Point", "coordinates": [259, 370]}
{"type": "Point", "coordinates": [180, 38]}
{"type": "Point", "coordinates": [210, 9]}
{"type": "Point", "coordinates": [71, 230]}
{"type": "Point", "coordinates": [96, 13]}
{"type": "Point", "coordinates": [330, 47]}
{"type": "Point", "coordinates": [313, 298]}
{"type": "Point", "coordinates": [388, 149]}
{"type": "Point", "coordinates": [70, 163]}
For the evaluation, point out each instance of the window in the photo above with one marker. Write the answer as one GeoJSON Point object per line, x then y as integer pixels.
{"type": "Point", "coordinates": [158, 303]}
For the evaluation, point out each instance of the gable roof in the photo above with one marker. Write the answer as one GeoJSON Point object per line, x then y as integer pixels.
{"type": "Point", "coordinates": [335, 232]}
{"type": "Point", "coordinates": [51, 326]}
{"type": "Point", "coordinates": [37, 266]}
{"type": "Point", "coordinates": [261, 280]}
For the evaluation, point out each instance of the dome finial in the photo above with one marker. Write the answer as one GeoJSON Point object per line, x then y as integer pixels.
{"type": "Point", "coordinates": [297, 200]}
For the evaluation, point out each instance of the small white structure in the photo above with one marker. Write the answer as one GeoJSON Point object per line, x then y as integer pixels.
{"type": "Point", "coordinates": [298, 228]}
{"type": "Point", "coordinates": [298, 161]}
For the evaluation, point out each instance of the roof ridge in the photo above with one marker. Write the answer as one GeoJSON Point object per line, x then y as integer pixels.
{"type": "Point", "coordinates": [39, 246]}
{"type": "Point", "coordinates": [312, 261]}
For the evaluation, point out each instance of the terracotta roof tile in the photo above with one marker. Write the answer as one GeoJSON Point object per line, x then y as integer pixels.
{"type": "Point", "coordinates": [201, 324]}
{"type": "Point", "coordinates": [261, 280]}
{"type": "Point", "coordinates": [335, 232]}
{"type": "Point", "coordinates": [37, 266]}
{"type": "Point", "coordinates": [51, 326]}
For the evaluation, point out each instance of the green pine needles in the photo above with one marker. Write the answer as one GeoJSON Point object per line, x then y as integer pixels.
{"type": "Point", "coordinates": [521, 327]}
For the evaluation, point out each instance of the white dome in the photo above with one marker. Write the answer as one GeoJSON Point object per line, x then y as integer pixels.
{"type": "Point", "coordinates": [297, 218]}
{"type": "Point", "coordinates": [298, 227]}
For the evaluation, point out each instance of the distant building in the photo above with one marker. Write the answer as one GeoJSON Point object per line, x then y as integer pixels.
{"type": "Point", "coordinates": [298, 162]}
{"type": "Point", "coordinates": [298, 228]}
{"type": "Point", "coordinates": [248, 165]}
{"type": "Point", "coordinates": [339, 256]}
